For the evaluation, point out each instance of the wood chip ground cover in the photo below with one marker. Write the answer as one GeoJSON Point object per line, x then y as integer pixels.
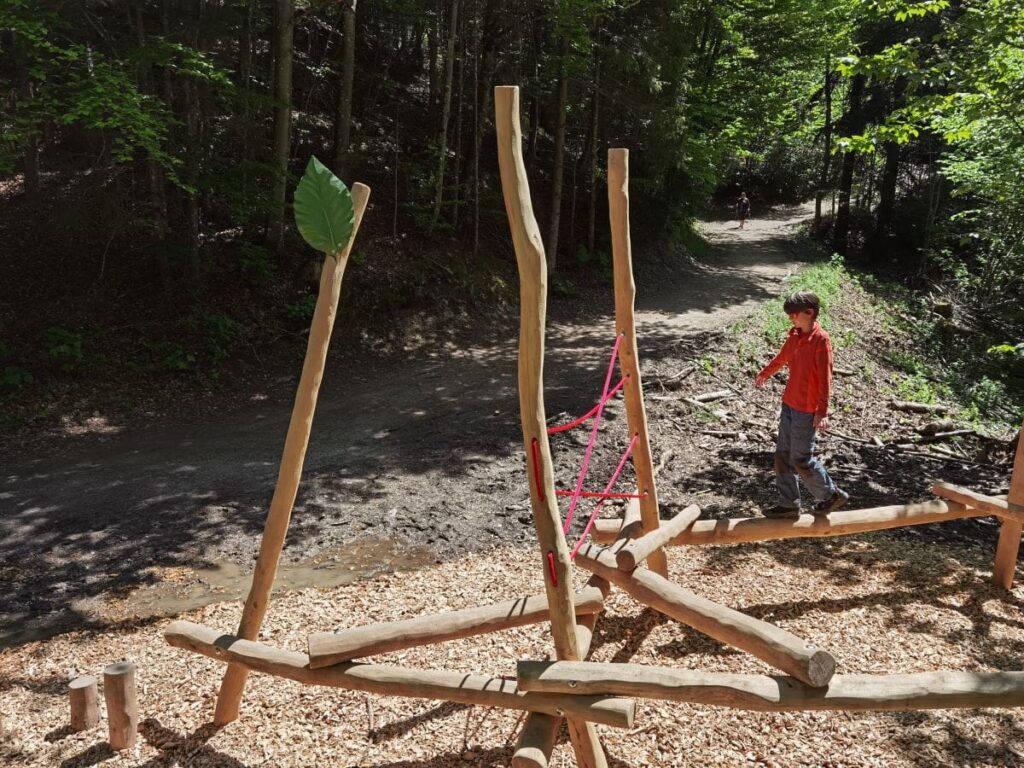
{"type": "Point", "coordinates": [879, 603]}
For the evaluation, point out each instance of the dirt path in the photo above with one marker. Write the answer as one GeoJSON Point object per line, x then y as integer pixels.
{"type": "Point", "coordinates": [408, 464]}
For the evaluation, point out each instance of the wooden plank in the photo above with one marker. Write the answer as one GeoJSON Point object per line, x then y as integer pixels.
{"type": "Point", "coordinates": [327, 648]}
{"type": "Point", "coordinates": [764, 693]}
{"type": "Point", "coordinates": [991, 504]}
{"type": "Point", "coordinates": [533, 276]}
{"type": "Point", "coordinates": [739, 530]}
{"type": "Point", "coordinates": [293, 456]}
{"type": "Point", "coordinates": [772, 644]}
{"type": "Point", "coordinates": [395, 681]}
{"type": "Point", "coordinates": [636, 551]}
{"type": "Point", "coordinates": [629, 359]}
{"type": "Point", "coordinates": [1010, 532]}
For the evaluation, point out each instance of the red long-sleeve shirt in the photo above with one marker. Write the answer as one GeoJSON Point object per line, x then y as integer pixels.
{"type": "Point", "coordinates": [809, 357]}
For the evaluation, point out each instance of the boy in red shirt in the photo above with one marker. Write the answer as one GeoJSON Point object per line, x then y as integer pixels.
{"type": "Point", "coordinates": [808, 353]}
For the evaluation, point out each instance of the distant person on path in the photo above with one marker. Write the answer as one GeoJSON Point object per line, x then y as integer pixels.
{"type": "Point", "coordinates": [743, 209]}
{"type": "Point", "coordinates": [808, 353]}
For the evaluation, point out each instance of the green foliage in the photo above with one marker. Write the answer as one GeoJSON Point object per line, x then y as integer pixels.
{"type": "Point", "coordinates": [562, 286]}
{"type": "Point", "coordinates": [257, 264]}
{"type": "Point", "coordinates": [301, 311]}
{"type": "Point", "coordinates": [62, 348]}
{"type": "Point", "coordinates": [13, 377]}
{"type": "Point", "coordinates": [323, 209]}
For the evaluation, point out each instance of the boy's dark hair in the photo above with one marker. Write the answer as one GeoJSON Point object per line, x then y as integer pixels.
{"type": "Point", "coordinates": [802, 300]}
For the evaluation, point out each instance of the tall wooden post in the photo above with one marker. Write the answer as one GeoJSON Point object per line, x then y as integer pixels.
{"type": "Point", "coordinates": [529, 248]}
{"type": "Point", "coordinates": [294, 455]}
{"type": "Point", "coordinates": [122, 704]}
{"type": "Point", "coordinates": [629, 363]}
{"type": "Point", "coordinates": [1010, 531]}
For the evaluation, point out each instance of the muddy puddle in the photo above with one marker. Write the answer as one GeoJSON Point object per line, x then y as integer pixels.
{"type": "Point", "coordinates": [184, 589]}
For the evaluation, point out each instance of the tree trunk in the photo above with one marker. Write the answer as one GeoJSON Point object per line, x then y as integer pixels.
{"type": "Point", "coordinates": [594, 134]}
{"type": "Point", "coordinates": [826, 160]}
{"type": "Point", "coordinates": [30, 158]}
{"type": "Point", "coordinates": [284, 31]}
{"type": "Point", "coordinates": [432, 32]}
{"type": "Point", "coordinates": [890, 175]}
{"type": "Point", "coordinates": [446, 108]}
{"type": "Point", "coordinates": [460, 84]}
{"type": "Point", "coordinates": [559, 162]}
{"type": "Point", "coordinates": [853, 123]}
{"type": "Point", "coordinates": [343, 123]}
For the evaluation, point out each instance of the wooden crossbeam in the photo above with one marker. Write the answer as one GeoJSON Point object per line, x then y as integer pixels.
{"type": "Point", "coordinates": [772, 644]}
{"type": "Point", "coordinates": [990, 504]}
{"type": "Point", "coordinates": [396, 681]}
{"type": "Point", "coordinates": [862, 693]}
{"type": "Point", "coordinates": [636, 551]}
{"type": "Point", "coordinates": [739, 530]}
{"type": "Point", "coordinates": [327, 648]}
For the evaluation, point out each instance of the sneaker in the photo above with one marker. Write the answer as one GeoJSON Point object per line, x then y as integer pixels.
{"type": "Point", "coordinates": [836, 501]}
{"type": "Point", "coordinates": [782, 512]}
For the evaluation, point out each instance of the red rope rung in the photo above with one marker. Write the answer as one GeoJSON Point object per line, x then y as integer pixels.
{"type": "Point", "coordinates": [589, 414]}
{"type": "Point", "coordinates": [598, 495]}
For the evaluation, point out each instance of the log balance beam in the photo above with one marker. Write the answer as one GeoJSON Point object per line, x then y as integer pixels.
{"type": "Point", "coordinates": [397, 681]}
{"type": "Point", "coordinates": [635, 551]}
{"type": "Point", "coordinates": [763, 693]}
{"type": "Point", "coordinates": [740, 530]}
{"type": "Point", "coordinates": [329, 648]}
{"type": "Point", "coordinates": [990, 505]}
{"type": "Point", "coordinates": [773, 645]}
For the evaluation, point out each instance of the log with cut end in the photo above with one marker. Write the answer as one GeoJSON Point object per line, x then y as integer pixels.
{"type": "Point", "coordinates": [84, 697]}
{"type": "Point", "coordinates": [923, 690]}
{"type": "Point", "coordinates": [637, 550]}
{"type": "Point", "coordinates": [395, 681]}
{"type": "Point", "coordinates": [327, 648]}
{"type": "Point", "coordinates": [772, 644]}
{"type": "Point", "coordinates": [747, 529]}
{"type": "Point", "coordinates": [122, 704]}
{"type": "Point", "coordinates": [902, 405]}
{"type": "Point", "coordinates": [993, 505]}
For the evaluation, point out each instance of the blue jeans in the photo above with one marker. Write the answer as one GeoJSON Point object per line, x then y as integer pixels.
{"type": "Point", "coordinates": [794, 456]}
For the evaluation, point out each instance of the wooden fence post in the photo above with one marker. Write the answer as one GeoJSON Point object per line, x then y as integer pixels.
{"type": "Point", "coordinates": [1010, 531]}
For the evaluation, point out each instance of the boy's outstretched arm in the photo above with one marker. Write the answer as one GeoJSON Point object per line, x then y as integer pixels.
{"type": "Point", "coordinates": [774, 366]}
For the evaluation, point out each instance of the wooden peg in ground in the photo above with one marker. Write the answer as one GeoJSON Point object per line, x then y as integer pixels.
{"type": "Point", "coordinates": [122, 704]}
{"type": "Point", "coordinates": [85, 712]}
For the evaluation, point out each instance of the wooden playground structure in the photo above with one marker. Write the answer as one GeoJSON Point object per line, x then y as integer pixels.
{"type": "Point", "coordinates": [582, 693]}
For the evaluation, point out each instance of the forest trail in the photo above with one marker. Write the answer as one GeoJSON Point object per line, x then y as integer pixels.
{"type": "Point", "coordinates": [417, 459]}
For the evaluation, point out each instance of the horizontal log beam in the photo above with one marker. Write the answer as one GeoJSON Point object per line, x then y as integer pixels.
{"type": "Point", "coordinates": [764, 693]}
{"type": "Point", "coordinates": [738, 530]}
{"type": "Point", "coordinates": [993, 505]}
{"type": "Point", "coordinates": [329, 648]}
{"type": "Point", "coordinates": [396, 681]}
{"type": "Point", "coordinates": [636, 551]}
{"type": "Point", "coordinates": [772, 644]}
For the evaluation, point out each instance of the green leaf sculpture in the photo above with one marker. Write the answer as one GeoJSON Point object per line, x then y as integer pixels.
{"type": "Point", "coordinates": [323, 209]}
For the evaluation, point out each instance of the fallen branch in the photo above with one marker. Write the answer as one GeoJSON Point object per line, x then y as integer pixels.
{"type": "Point", "coordinates": [718, 394]}
{"type": "Point", "coordinates": [901, 405]}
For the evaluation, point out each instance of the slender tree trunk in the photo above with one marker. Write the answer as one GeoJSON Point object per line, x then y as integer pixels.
{"type": "Point", "coordinates": [30, 158]}
{"type": "Point", "coordinates": [446, 108]}
{"type": "Point", "coordinates": [284, 32]}
{"type": "Point", "coordinates": [460, 83]}
{"type": "Point", "coordinates": [890, 176]}
{"type": "Point", "coordinates": [559, 162]}
{"type": "Point", "coordinates": [343, 123]}
{"type": "Point", "coordinates": [852, 124]}
{"type": "Point", "coordinates": [477, 127]}
{"type": "Point", "coordinates": [594, 135]}
{"type": "Point", "coordinates": [432, 32]}
{"type": "Point", "coordinates": [826, 160]}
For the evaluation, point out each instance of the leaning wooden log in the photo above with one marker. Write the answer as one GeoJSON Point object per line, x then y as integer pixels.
{"type": "Point", "coordinates": [991, 504]}
{"type": "Point", "coordinates": [629, 358]}
{"type": "Point", "coordinates": [122, 704]}
{"type": "Point", "coordinates": [533, 276]}
{"type": "Point", "coordinates": [327, 648]}
{"type": "Point", "coordinates": [631, 526]}
{"type": "Point", "coordinates": [901, 405]}
{"type": "Point", "coordinates": [292, 458]}
{"type": "Point", "coordinates": [739, 530]}
{"type": "Point", "coordinates": [764, 693]}
{"type": "Point", "coordinates": [1010, 532]}
{"type": "Point", "coordinates": [772, 644]}
{"type": "Point", "coordinates": [718, 394]}
{"type": "Point", "coordinates": [636, 551]}
{"type": "Point", "coordinates": [395, 681]}
{"type": "Point", "coordinates": [84, 698]}
{"type": "Point", "coordinates": [540, 732]}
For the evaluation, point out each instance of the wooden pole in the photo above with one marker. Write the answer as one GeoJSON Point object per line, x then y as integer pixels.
{"type": "Point", "coordinates": [529, 248]}
{"type": "Point", "coordinates": [636, 551]}
{"type": "Point", "coordinates": [739, 530]}
{"type": "Point", "coordinates": [860, 693]}
{"type": "Point", "coordinates": [294, 454]}
{"type": "Point", "coordinates": [1010, 531]}
{"type": "Point", "coordinates": [327, 648]}
{"type": "Point", "coordinates": [396, 681]}
{"type": "Point", "coordinates": [629, 361]}
{"type": "Point", "coordinates": [772, 644]}
{"type": "Point", "coordinates": [85, 711]}
{"type": "Point", "coordinates": [1002, 508]}
{"type": "Point", "coordinates": [122, 704]}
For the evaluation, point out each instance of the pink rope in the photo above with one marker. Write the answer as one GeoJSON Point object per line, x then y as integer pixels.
{"type": "Point", "coordinates": [593, 434]}
{"type": "Point", "coordinates": [597, 507]}
{"type": "Point", "coordinates": [595, 495]}
{"type": "Point", "coordinates": [591, 412]}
